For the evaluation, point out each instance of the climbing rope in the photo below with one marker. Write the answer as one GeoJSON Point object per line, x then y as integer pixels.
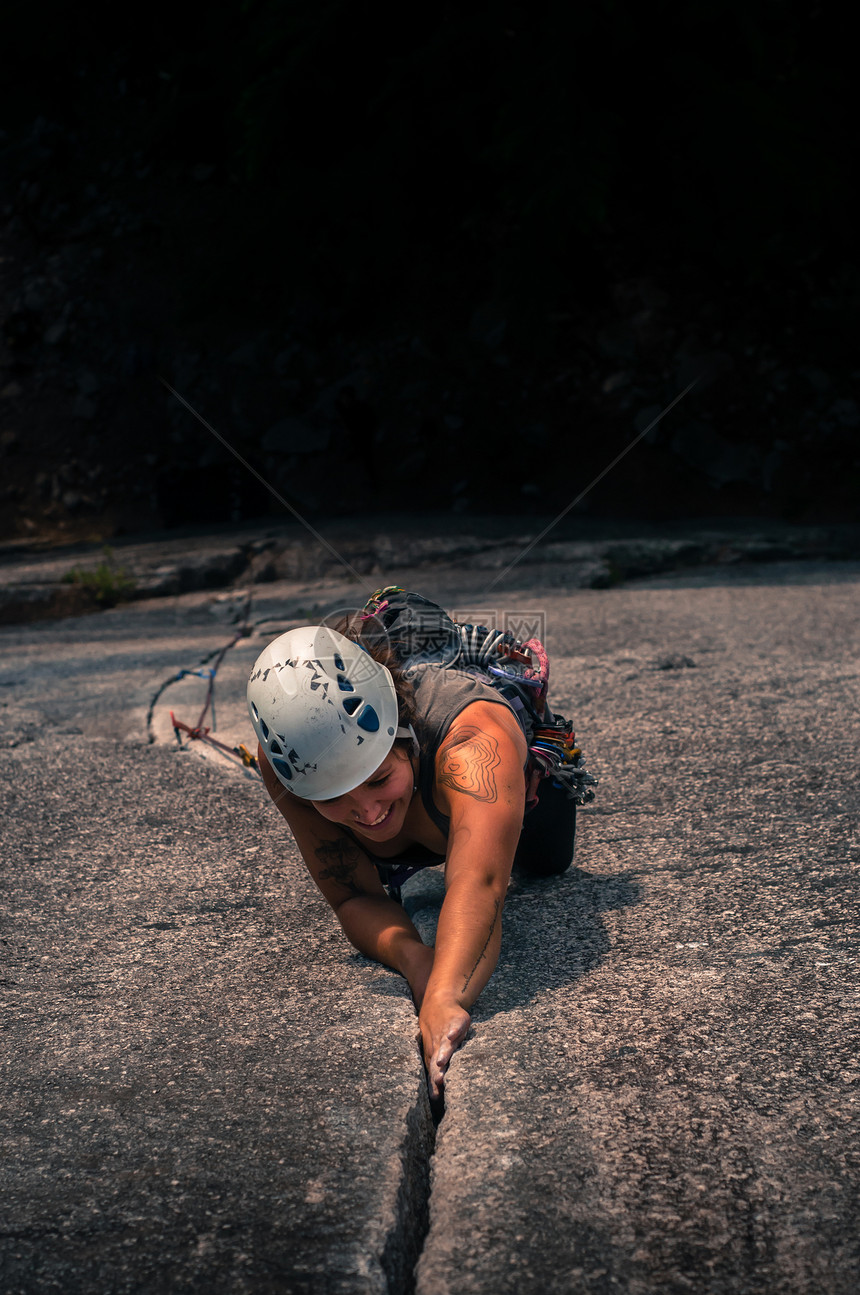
{"type": "Point", "coordinates": [201, 732]}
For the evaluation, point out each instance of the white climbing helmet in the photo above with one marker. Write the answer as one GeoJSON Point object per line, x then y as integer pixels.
{"type": "Point", "coordinates": [324, 711]}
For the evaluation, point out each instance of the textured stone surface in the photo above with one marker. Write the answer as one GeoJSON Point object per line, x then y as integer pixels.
{"type": "Point", "coordinates": [205, 1089]}
{"type": "Point", "coordinates": [662, 1090]}
{"type": "Point", "coordinates": [38, 585]}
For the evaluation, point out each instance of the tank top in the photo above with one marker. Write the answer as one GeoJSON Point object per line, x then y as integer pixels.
{"type": "Point", "coordinates": [440, 696]}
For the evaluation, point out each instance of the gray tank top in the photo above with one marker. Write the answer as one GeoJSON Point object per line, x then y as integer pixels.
{"type": "Point", "coordinates": [440, 696]}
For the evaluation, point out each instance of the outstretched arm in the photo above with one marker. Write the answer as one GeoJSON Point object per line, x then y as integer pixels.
{"type": "Point", "coordinates": [374, 924]}
{"type": "Point", "coordinates": [479, 773]}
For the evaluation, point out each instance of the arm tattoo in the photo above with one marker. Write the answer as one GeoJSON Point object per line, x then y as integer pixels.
{"type": "Point", "coordinates": [468, 979]}
{"type": "Point", "coordinates": [342, 857]}
{"type": "Point", "coordinates": [468, 764]}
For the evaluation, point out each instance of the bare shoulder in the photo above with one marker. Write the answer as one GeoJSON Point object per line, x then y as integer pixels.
{"type": "Point", "coordinates": [489, 719]}
{"type": "Point", "coordinates": [483, 753]}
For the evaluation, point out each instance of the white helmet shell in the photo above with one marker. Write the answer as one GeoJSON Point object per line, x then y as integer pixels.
{"type": "Point", "coordinates": [324, 711]}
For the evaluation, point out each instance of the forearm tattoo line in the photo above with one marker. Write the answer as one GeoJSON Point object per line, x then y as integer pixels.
{"type": "Point", "coordinates": [468, 764]}
{"type": "Point", "coordinates": [468, 979]}
{"type": "Point", "coordinates": [341, 857]}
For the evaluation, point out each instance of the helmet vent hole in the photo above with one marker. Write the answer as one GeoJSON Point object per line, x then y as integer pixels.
{"type": "Point", "coordinates": [283, 769]}
{"type": "Point", "coordinates": [264, 726]}
{"type": "Point", "coordinates": [352, 704]}
{"type": "Point", "coordinates": [338, 663]}
{"type": "Point", "coordinates": [344, 685]}
{"type": "Point", "coordinates": [256, 712]}
{"type": "Point", "coordinates": [275, 747]}
{"type": "Point", "coordinates": [368, 720]}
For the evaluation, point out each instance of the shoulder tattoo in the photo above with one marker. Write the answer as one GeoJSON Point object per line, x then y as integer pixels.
{"type": "Point", "coordinates": [341, 858]}
{"type": "Point", "coordinates": [468, 762]}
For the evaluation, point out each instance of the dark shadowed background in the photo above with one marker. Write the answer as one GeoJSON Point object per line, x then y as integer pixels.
{"type": "Point", "coordinates": [450, 259]}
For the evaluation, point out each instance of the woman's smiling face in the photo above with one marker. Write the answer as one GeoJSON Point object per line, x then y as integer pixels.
{"type": "Point", "coordinates": [377, 807]}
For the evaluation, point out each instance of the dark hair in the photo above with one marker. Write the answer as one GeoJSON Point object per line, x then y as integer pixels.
{"type": "Point", "coordinates": [371, 634]}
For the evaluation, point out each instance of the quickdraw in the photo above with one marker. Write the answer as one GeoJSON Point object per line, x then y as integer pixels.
{"type": "Point", "coordinates": [553, 748]}
{"type": "Point", "coordinates": [203, 734]}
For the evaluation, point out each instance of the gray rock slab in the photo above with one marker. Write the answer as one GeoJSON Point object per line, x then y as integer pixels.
{"type": "Point", "coordinates": [36, 585]}
{"type": "Point", "coordinates": [662, 1090]}
{"type": "Point", "coordinates": [203, 1087]}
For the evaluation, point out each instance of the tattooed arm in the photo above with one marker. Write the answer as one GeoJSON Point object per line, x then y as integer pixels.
{"type": "Point", "coordinates": [373, 923]}
{"type": "Point", "coordinates": [479, 778]}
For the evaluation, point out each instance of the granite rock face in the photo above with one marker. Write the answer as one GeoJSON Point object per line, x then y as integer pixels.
{"type": "Point", "coordinates": [38, 584]}
{"type": "Point", "coordinates": [205, 1089]}
{"type": "Point", "coordinates": [662, 1090]}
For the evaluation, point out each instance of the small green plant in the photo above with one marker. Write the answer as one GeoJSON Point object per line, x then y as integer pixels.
{"type": "Point", "coordinates": [108, 583]}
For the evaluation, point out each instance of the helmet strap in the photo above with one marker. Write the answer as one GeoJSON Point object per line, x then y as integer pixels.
{"type": "Point", "coordinates": [410, 732]}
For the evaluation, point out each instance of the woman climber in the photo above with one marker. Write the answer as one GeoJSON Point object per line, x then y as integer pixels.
{"type": "Point", "coordinates": [399, 740]}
